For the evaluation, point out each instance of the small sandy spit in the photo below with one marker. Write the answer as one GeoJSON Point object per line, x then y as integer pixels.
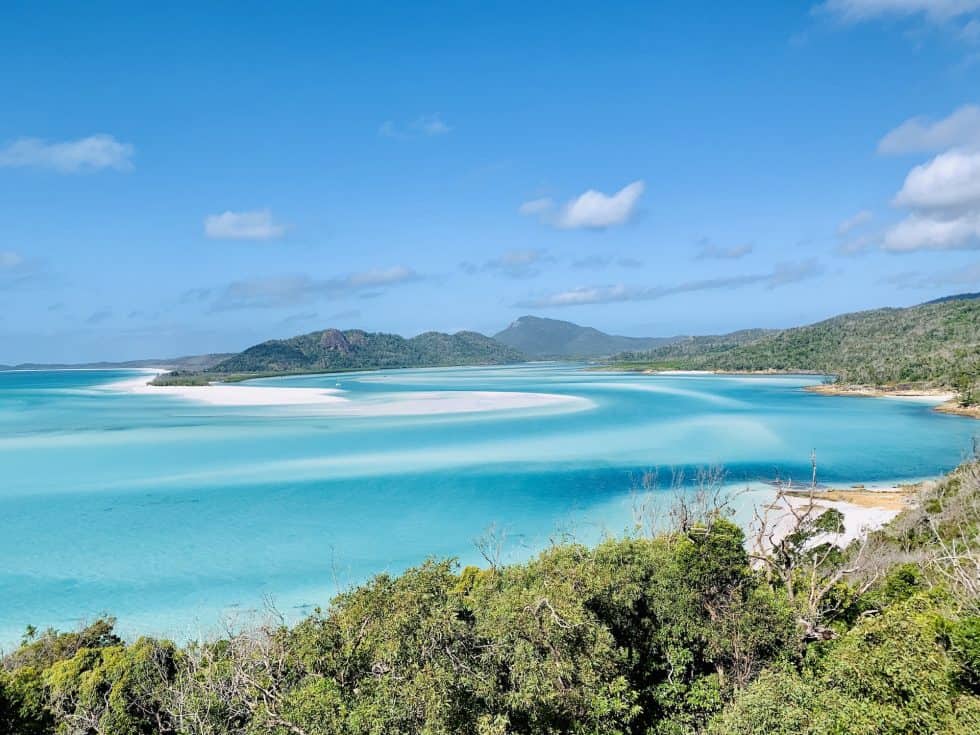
{"type": "Point", "coordinates": [333, 401]}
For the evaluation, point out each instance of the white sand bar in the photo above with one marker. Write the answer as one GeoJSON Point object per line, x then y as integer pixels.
{"type": "Point", "coordinates": [334, 401]}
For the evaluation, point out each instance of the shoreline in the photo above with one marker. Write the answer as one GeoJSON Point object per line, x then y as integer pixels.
{"type": "Point", "coordinates": [942, 400]}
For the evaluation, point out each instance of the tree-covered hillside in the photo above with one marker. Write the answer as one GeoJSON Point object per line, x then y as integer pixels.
{"type": "Point", "coordinates": [553, 338]}
{"type": "Point", "coordinates": [332, 349]}
{"type": "Point", "coordinates": [934, 344]}
{"type": "Point", "coordinates": [693, 631]}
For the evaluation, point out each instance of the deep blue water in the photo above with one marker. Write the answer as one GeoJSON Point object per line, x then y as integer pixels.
{"type": "Point", "coordinates": [172, 514]}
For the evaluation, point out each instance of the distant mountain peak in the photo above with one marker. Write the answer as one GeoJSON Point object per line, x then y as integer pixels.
{"type": "Point", "coordinates": [540, 337]}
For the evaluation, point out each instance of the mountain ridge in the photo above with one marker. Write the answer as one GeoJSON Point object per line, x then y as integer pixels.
{"type": "Point", "coordinates": [355, 349]}
{"type": "Point", "coordinates": [541, 337]}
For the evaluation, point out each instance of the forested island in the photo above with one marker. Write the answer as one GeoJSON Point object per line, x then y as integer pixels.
{"type": "Point", "coordinates": [692, 628]}
{"type": "Point", "coordinates": [930, 346]}
{"type": "Point", "coordinates": [333, 350]}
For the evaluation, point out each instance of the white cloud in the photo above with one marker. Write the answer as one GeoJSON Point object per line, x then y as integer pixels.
{"type": "Point", "coordinates": [922, 135]}
{"type": "Point", "coordinates": [854, 11]}
{"type": "Point", "coordinates": [949, 182]}
{"type": "Point", "coordinates": [423, 125]}
{"type": "Point", "coordinates": [942, 195]}
{"type": "Point", "coordinates": [536, 206]}
{"type": "Point", "coordinates": [71, 156]}
{"type": "Point", "coordinates": [854, 221]}
{"type": "Point", "coordinates": [431, 125]}
{"type": "Point", "coordinates": [925, 232]}
{"type": "Point", "coordinates": [595, 210]}
{"type": "Point", "coordinates": [256, 225]}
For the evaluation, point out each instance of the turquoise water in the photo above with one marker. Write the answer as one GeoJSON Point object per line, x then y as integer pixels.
{"type": "Point", "coordinates": [172, 514]}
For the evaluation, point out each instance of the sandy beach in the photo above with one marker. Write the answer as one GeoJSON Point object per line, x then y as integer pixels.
{"type": "Point", "coordinates": [864, 509]}
{"type": "Point", "coordinates": [943, 401]}
{"type": "Point", "coordinates": [924, 395]}
{"type": "Point", "coordinates": [334, 401]}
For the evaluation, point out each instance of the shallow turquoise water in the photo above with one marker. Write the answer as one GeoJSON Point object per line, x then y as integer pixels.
{"type": "Point", "coordinates": [172, 514]}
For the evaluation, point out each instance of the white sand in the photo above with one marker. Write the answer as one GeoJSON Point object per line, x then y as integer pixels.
{"type": "Point", "coordinates": [332, 401]}
{"type": "Point", "coordinates": [930, 398]}
{"type": "Point", "coordinates": [230, 394]}
{"type": "Point", "coordinates": [858, 520]}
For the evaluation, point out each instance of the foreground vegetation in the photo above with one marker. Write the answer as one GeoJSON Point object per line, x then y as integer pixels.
{"type": "Point", "coordinates": [930, 345]}
{"type": "Point", "coordinates": [691, 630]}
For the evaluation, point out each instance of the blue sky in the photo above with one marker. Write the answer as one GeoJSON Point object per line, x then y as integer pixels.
{"type": "Point", "coordinates": [182, 179]}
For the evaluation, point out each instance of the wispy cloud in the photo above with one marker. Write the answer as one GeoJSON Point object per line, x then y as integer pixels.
{"type": "Point", "coordinates": [592, 210]}
{"type": "Point", "coordinates": [346, 314]}
{"type": "Point", "coordinates": [781, 275]}
{"type": "Point", "coordinates": [709, 251]}
{"type": "Point", "coordinates": [423, 125]}
{"type": "Point", "coordinates": [10, 260]}
{"type": "Point", "coordinates": [97, 317]}
{"type": "Point", "coordinates": [536, 206]}
{"type": "Point", "coordinates": [597, 262]}
{"type": "Point", "coordinates": [924, 135]}
{"type": "Point", "coordinates": [854, 222]}
{"type": "Point", "coordinates": [958, 277]}
{"type": "Point", "coordinates": [856, 11]}
{"type": "Point", "coordinates": [254, 225]}
{"type": "Point", "coordinates": [512, 264]}
{"type": "Point", "coordinates": [18, 270]}
{"type": "Point", "coordinates": [89, 154]}
{"type": "Point", "coordinates": [851, 241]}
{"type": "Point", "coordinates": [300, 318]}
{"type": "Point", "coordinates": [294, 290]}
{"type": "Point", "coordinates": [858, 245]}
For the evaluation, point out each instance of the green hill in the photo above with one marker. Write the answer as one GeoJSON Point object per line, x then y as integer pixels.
{"type": "Point", "coordinates": [934, 344]}
{"type": "Point", "coordinates": [354, 349]}
{"type": "Point", "coordinates": [538, 337]}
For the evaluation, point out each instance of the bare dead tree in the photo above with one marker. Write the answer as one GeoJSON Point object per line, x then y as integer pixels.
{"type": "Point", "coordinates": [953, 524]}
{"type": "Point", "coordinates": [491, 545]}
{"type": "Point", "coordinates": [799, 545]}
{"type": "Point", "coordinates": [680, 505]}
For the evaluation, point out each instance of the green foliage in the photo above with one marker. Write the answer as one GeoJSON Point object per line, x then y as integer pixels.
{"type": "Point", "coordinates": [673, 635]}
{"type": "Point", "coordinates": [935, 344]}
{"type": "Point", "coordinates": [635, 636]}
{"type": "Point", "coordinates": [354, 349]}
{"type": "Point", "coordinates": [113, 689]}
{"type": "Point", "coordinates": [964, 636]}
{"type": "Point", "coordinates": [890, 675]}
